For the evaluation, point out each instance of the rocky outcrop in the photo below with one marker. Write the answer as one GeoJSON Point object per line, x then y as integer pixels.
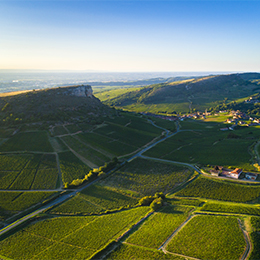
{"type": "Point", "coordinates": [81, 91]}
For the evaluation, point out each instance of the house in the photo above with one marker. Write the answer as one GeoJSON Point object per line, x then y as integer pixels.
{"type": "Point", "coordinates": [251, 176]}
{"type": "Point", "coordinates": [215, 172]}
{"type": "Point", "coordinates": [236, 173]}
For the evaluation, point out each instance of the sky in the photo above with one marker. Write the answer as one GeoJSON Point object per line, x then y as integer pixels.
{"type": "Point", "coordinates": [134, 36]}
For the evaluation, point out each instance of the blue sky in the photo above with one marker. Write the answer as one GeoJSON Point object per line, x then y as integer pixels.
{"type": "Point", "coordinates": [130, 35]}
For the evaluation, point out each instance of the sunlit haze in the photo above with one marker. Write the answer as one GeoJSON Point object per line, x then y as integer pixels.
{"type": "Point", "coordinates": [130, 35]}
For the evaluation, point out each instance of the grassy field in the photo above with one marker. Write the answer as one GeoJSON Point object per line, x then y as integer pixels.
{"type": "Point", "coordinates": [231, 208]}
{"type": "Point", "coordinates": [155, 231]}
{"type": "Point", "coordinates": [209, 237]}
{"type": "Point", "coordinates": [28, 171]}
{"type": "Point", "coordinates": [204, 144]}
{"type": "Point", "coordinates": [20, 142]}
{"type": "Point", "coordinates": [146, 177]}
{"type": "Point", "coordinates": [14, 202]}
{"type": "Point", "coordinates": [125, 251]}
{"type": "Point", "coordinates": [220, 190]}
{"type": "Point", "coordinates": [73, 238]}
{"type": "Point", "coordinates": [71, 167]}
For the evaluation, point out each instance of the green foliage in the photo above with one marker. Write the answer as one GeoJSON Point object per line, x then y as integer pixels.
{"type": "Point", "coordinates": [146, 201]}
{"type": "Point", "coordinates": [159, 227]}
{"type": "Point", "coordinates": [125, 251]}
{"type": "Point", "coordinates": [92, 155]}
{"type": "Point", "coordinates": [231, 208]}
{"type": "Point", "coordinates": [255, 238]}
{"type": "Point", "coordinates": [28, 141]}
{"type": "Point", "coordinates": [14, 202]}
{"type": "Point", "coordinates": [55, 238]}
{"type": "Point", "coordinates": [220, 190]}
{"type": "Point", "coordinates": [207, 146]}
{"type": "Point", "coordinates": [76, 206]}
{"type": "Point", "coordinates": [209, 237]}
{"type": "Point", "coordinates": [255, 222]}
{"type": "Point", "coordinates": [156, 204]}
{"type": "Point", "coordinates": [103, 229]}
{"type": "Point", "coordinates": [95, 200]}
{"type": "Point", "coordinates": [71, 167]}
{"type": "Point", "coordinates": [35, 171]}
{"type": "Point", "coordinates": [147, 177]}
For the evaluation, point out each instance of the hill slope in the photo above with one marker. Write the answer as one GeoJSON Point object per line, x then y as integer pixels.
{"type": "Point", "coordinates": [185, 95]}
{"type": "Point", "coordinates": [57, 104]}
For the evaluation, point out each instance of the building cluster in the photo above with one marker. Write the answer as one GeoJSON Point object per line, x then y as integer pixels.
{"type": "Point", "coordinates": [235, 174]}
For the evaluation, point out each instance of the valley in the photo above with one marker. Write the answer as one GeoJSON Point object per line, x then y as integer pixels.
{"type": "Point", "coordinates": [83, 180]}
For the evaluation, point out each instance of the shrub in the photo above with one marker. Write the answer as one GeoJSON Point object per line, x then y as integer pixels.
{"type": "Point", "coordinates": [156, 204]}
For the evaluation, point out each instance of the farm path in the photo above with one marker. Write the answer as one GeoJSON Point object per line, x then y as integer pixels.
{"type": "Point", "coordinates": [248, 242]}
{"type": "Point", "coordinates": [83, 159]}
{"type": "Point", "coordinates": [168, 135]}
{"type": "Point", "coordinates": [164, 245]}
{"type": "Point", "coordinates": [256, 152]}
{"type": "Point", "coordinates": [59, 172]}
{"type": "Point", "coordinates": [109, 155]}
{"type": "Point", "coordinates": [173, 162]}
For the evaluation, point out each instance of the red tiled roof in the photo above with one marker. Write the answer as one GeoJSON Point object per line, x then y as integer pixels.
{"type": "Point", "coordinates": [237, 171]}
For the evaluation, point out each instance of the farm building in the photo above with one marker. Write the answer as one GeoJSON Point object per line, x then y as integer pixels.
{"type": "Point", "coordinates": [236, 173]}
{"type": "Point", "coordinates": [215, 172]}
{"type": "Point", "coordinates": [251, 176]}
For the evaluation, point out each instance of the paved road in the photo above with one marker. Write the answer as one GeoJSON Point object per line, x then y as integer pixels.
{"type": "Point", "coordinates": [62, 198]}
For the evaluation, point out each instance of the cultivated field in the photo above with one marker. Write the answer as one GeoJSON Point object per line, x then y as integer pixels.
{"type": "Point", "coordinates": [94, 200]}
{"type": "Point", "coordinates": [71, 167]}
{"type": "Point", "coordinates": [146, 177]}
{"type": "Point", "coordinates": [28, 171]}
{"type": "Point", "coordinates": [155, 231]}
{"type": "Point", "coordinates": [209, 237]}
{"type": "Point", "coordinates": [204, 187]}
{"type": "Point", "coordinates": [74, 237]}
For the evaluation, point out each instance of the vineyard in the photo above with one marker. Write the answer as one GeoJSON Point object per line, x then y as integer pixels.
{"type": "Point", "coordinates": [28, 171]}
{"type": "Point", "coordinates": [205, 237]}
{"type": "Point", "coordinates": [14, 202]}
{"type": "Point", "coordinates": [126, 251]}
{"type": "Point", "coordinates": [19, 142]}
{"type": "Point", "coordinates": [159, 227]}
{"type": "Point", "coordinates": [231, 208]}
{"type": "Point", "coordinates": [146, 177]}
{"type": "Point", "coordinates": [71, 167]}
{"type": "Point", "coordinates": [205, 147]}
{"type": "Point", "coordinates": [75, 237]}
{"type": "Point", "coordinates": [204, 187]}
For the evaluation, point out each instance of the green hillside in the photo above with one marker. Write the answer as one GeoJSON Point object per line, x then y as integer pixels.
{"type": "Point", "coordinates": [184, 95]}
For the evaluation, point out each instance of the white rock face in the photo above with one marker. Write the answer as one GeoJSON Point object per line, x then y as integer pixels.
{"type": "Point", "coordinates": [82, 91]}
